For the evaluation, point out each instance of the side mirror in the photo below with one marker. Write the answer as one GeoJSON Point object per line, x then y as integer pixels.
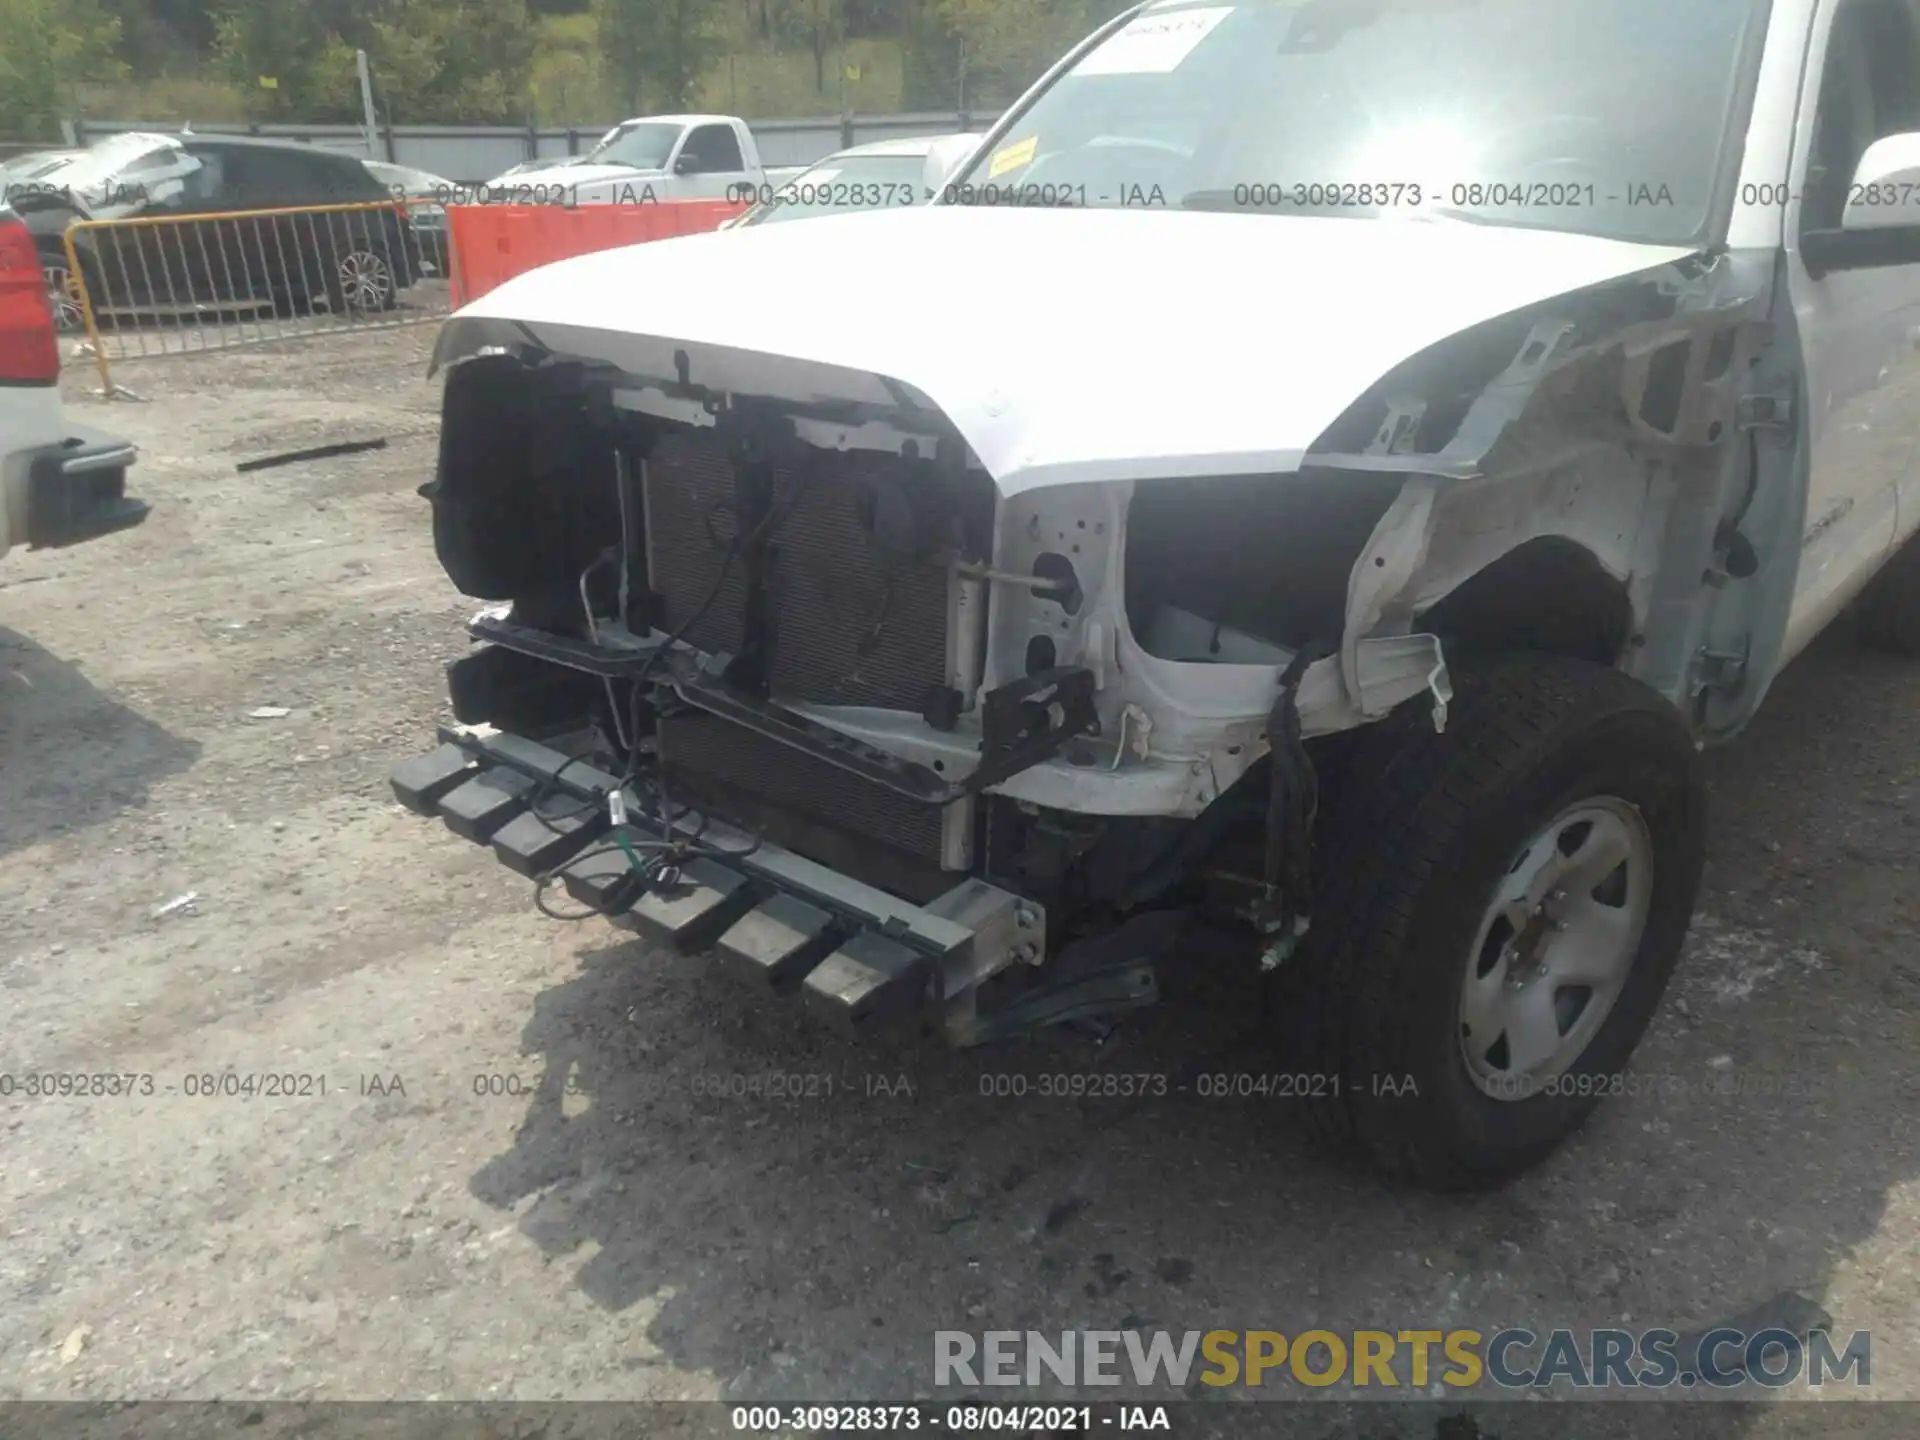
{"type": "Point", "coordinates": [948, 155]}
{"type": "Point", "coordinates": [1885, 194]}
{"type": "Point", "coordinates": [686, 165]}
{"type": "Point", "coordinates": [170, 193]}
{"type": "Point", "coordinates": [1880, 223]}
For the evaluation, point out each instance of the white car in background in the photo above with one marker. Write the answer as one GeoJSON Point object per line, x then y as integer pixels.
{"type": "Point", "coordinates": [21, 169]}
{"type": "Point", "coordinates": [882, 175]}
{"type": "Point", "coordinates": [60, 483]}
{"type": "Point", "coordinates": [643, 161]}
{"type": "Point", "coordinates": [425, 196]}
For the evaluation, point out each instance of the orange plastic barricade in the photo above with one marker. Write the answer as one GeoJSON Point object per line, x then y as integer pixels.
{"type": "Point", "coordinates": [493, 243]}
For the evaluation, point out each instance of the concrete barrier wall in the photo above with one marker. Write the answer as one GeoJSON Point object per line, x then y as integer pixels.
{"type": "Point", "coordinates": [473, 153]}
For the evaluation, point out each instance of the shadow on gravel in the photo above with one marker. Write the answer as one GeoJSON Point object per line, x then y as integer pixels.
{"type": "Point", "coordinates": [69, 756]}
{"type": "Point", "coordinates": [803, 1213]}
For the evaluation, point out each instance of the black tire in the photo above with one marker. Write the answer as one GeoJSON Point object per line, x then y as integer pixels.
{"type": "Point", "coordinates": [1888, 610]}
{"type": "Point", "coordinates": [1406, 864]}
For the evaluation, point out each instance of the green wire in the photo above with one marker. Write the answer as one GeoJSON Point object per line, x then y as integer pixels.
{"type": "Point", "coordinates": [626, 848]}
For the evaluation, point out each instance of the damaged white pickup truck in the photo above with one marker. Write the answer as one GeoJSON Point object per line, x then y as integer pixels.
{"type": "Point", "coordinates": [1364, 450]}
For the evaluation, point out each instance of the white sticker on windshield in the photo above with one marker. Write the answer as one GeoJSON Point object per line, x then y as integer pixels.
{"type": "Point", "coordinates": [1153, 44]}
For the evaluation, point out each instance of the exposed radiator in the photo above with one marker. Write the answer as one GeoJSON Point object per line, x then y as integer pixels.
{"type": "Point", "coordinates": [829, 587]}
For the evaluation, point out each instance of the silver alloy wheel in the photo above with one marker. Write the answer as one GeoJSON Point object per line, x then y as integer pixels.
{"type": "Point", "coordinates": [63, 296]}
{"type": "Point", "coordinates": [366, 280]}
{"type": "Point", "coordinates": [1555, 947]}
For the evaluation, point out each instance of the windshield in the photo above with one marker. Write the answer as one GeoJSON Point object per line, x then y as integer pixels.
{"type": "Point", "coordinates": [644, 147]}
{"type": "Point", "coordinates": [34, 166]}
{"type": "Point", "coordinates": [1604, 116]}
{"type": "Point", "coordinates": [117, 160]}
{"type": "Point", "coordinates": [406, 180]}
{"type": "Point", "coordinates": [845, 182]}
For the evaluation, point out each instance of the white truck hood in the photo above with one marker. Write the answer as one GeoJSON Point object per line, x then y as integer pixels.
{"type": "Point", "coordinates": [570, 175]}
{"type": "Point", "coordinates": [1065, 345]}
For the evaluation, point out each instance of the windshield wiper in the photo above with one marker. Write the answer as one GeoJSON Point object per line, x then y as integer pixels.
{"type": "Point", "coordinates": [1013, 199]}
{"type": "Point", "coordinates": [1224, 202]}
{"type": "Point", "coordinates": [1216, 200]}
{"type": "Point", "coordinates": [1227, 202]}
{"type": "Point", "coordinates": [1024, 202]}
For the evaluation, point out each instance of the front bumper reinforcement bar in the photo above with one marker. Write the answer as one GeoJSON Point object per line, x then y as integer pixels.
{"type": "Point", "coordinates": [853, 953]}
{"type": "Point", "coordinates": [1023, 724]}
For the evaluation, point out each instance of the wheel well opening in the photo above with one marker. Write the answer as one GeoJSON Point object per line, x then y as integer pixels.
{"type": "Point", "coordinates": [1547, 596]}
{"type": "Point", "coordinates": [1265, 558]}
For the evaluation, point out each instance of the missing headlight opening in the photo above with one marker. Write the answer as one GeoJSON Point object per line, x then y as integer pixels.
{"type": "Point", "coordinates": [1246, 569]}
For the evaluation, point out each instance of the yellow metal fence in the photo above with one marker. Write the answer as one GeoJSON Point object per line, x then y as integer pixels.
{"type": "Point", "coordinates": [157, 285]}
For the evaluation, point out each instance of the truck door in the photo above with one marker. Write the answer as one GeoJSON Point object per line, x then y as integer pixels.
{"type": "Point", "coordinates": [710, 163]}
{"type": "Point", "coordinates": [1859, 327]}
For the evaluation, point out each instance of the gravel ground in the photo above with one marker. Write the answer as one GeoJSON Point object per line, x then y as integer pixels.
{"type": "Point", "coordinates": [599, 1230]}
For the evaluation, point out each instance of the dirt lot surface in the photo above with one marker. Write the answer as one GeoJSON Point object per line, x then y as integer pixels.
{"type": "Point", "coordinates": [600, 1230]}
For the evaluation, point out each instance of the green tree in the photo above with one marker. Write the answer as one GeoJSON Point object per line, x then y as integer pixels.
{"type": "Point", "coordinates": [433, 60]}
{"type": "Point", "coordinates": [274, 50]}
{"type": "Point", "coordinates": [453, 60]}
{"type": "Point", "coordinates": [159, 37]}
{"type": "Point", "coordinates": [655, 51]}
{"type": "Point", "coordinates": [817, 24]}
{"type": "Point", "coordinates": [46, 47]}
{"type": "Point", "coordinates": [1005, 45]}
{"type": "Point", "coordinates": [566, 83]}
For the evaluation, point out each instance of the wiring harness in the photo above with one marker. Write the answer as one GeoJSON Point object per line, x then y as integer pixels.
{"type": "Point", "coordinates": [656, 860]}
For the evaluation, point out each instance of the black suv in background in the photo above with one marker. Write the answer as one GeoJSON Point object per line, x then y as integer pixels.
{"type": "Point", "coordinates": [208, 243]}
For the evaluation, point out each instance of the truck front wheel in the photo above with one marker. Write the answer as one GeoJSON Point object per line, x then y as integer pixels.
{"type": "Point", "coordinates": [1498, 910]}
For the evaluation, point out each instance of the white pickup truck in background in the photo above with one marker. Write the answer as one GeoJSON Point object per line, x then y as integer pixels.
{"type": "Point", "coordinates": [60, 483]}
{"type": "Point", "coordinates": [648, 159]}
